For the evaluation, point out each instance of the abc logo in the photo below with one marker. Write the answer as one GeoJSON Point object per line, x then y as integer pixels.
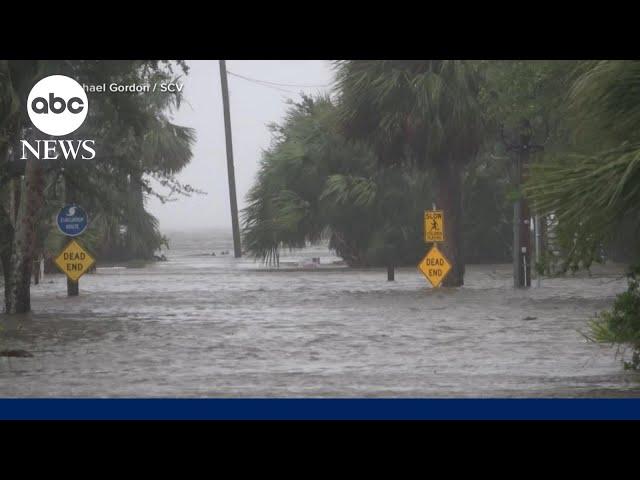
{"type": "Point", "coordinates": [57, 105]}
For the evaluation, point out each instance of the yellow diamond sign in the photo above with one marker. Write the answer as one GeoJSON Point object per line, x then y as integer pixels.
{"type": "Point", "coordinates": [434, 266]}
{"type": "Point", "coordinates": [74, 261]}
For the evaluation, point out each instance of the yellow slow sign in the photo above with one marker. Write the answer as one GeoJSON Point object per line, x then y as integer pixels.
{"type": "Point", "coordinates": [433, 226]}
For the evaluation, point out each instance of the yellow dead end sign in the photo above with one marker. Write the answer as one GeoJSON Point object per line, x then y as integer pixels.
{"type": "Point", "coordinates": [433, 226]}
{"type": "Point", "coordinates": [74, 261]}
{"type": "Point", "coordinates": [434, 266]}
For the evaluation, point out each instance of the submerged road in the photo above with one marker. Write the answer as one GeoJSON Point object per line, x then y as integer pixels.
{"type": "Point", "coordinates": [201, 326]}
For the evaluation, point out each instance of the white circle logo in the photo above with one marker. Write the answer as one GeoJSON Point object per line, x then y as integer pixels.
{"type": "Point", "coordinates": [57, 105]}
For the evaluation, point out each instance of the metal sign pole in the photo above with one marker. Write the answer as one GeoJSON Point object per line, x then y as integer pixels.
{"type": "Point", "coordinates": [537, 227]}
{"type": "Point", "coordinates": [73, 287]}
{"type": "Point", "coordinates": [434, 265]}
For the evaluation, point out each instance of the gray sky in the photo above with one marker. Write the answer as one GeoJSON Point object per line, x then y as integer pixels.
{"type": "Point", "coordinates": [252, 108]}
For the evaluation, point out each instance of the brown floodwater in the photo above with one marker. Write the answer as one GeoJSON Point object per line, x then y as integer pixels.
{"type": "Point", "coordinates": [204, 326]}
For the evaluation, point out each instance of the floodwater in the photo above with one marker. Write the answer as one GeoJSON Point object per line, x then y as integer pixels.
{"type": "Point", "coordinates": [204, 326]}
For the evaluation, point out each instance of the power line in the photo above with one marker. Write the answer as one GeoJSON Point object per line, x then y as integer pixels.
{"type": "Point", "coordinates": [266, 82]}
{"type": "Point", "coordinates": [291, 92]}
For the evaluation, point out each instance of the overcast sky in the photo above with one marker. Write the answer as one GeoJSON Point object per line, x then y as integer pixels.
{"type": "Point", "coordinates": [252, 108]}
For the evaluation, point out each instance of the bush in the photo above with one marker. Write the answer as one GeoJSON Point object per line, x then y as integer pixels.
{"type": "Point", "coordinates": [621, 325]}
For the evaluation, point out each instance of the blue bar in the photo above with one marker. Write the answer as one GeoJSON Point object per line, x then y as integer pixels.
{"type": "Point", "coordinates": [320, 409]}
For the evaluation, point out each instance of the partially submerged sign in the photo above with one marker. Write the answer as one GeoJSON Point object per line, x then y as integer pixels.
{"type": "Point", "coordinates": [74, 261]}
{"type": "Point", "coordinates": [434, 266]}
{"type": "Point", "coordinates": [433, 226]}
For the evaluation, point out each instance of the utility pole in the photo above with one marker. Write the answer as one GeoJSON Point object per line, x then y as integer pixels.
{"type": "Point", "coordinates": [521, 214]}
{"type": "Point", "coordinates": [237, 251]}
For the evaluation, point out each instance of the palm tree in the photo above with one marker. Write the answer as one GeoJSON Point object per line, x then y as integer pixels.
{"type": "Point", "coordinates": [595, 188]}
{"type": "Point", "coordinates": [165, 149]}
{"type": "Point", "coordinates": [285, 205]}
{"type": "Point", "coordinates": [146, 143]}
{"type": "Point", "coordinates": [313, 184]}
{"type": "Point", "coordinates": [421, 112]}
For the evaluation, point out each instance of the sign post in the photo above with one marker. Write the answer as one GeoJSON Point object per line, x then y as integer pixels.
{"type": "Point", "coordinates": [434, 266]}
{"type": "Point", "coordinates": [72, 221]}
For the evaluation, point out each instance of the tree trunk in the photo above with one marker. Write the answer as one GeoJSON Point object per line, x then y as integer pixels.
{"type": "Point", "coordinates": [18, 294]}
{"type": "Point", "coordinates": [132, 246]}
{"type": "Point", "coordinates": [36, 270]}
{"type": "Point", "coordinates": [6, 245]}
{"type": "Point", "coordinates": [14, 199]}
{"type": "Point", "coordinates": [450, 202]}
{"type": "Point", "coordinates": [391, 273]}
{"type": "Point", "coordinates": [6, 226]}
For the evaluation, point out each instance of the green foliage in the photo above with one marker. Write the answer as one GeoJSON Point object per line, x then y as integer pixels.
{"type": "Point", "coordinates": [621, 325]}
{"type": "Point", "coordinates": [592, 187]}
{"type": "Point", "coordinates": [136, 143]}
{"type": "Point", "coordinates": [602, 187]}
{"type": "Point", "coordinates": [514, 90]}
{"type": "Point", "coordinates": [145, 144]}
{"type": "Point", "coordinates": [422, 111]}
{"type": "Point", "coordinates": [603, 101]}
{"type": "Point", "coordinates": [314, 184]}
{"type": "Point", "coordinates": [488, 211]}
{"type": "Point", "coordinates": [284, 203]}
